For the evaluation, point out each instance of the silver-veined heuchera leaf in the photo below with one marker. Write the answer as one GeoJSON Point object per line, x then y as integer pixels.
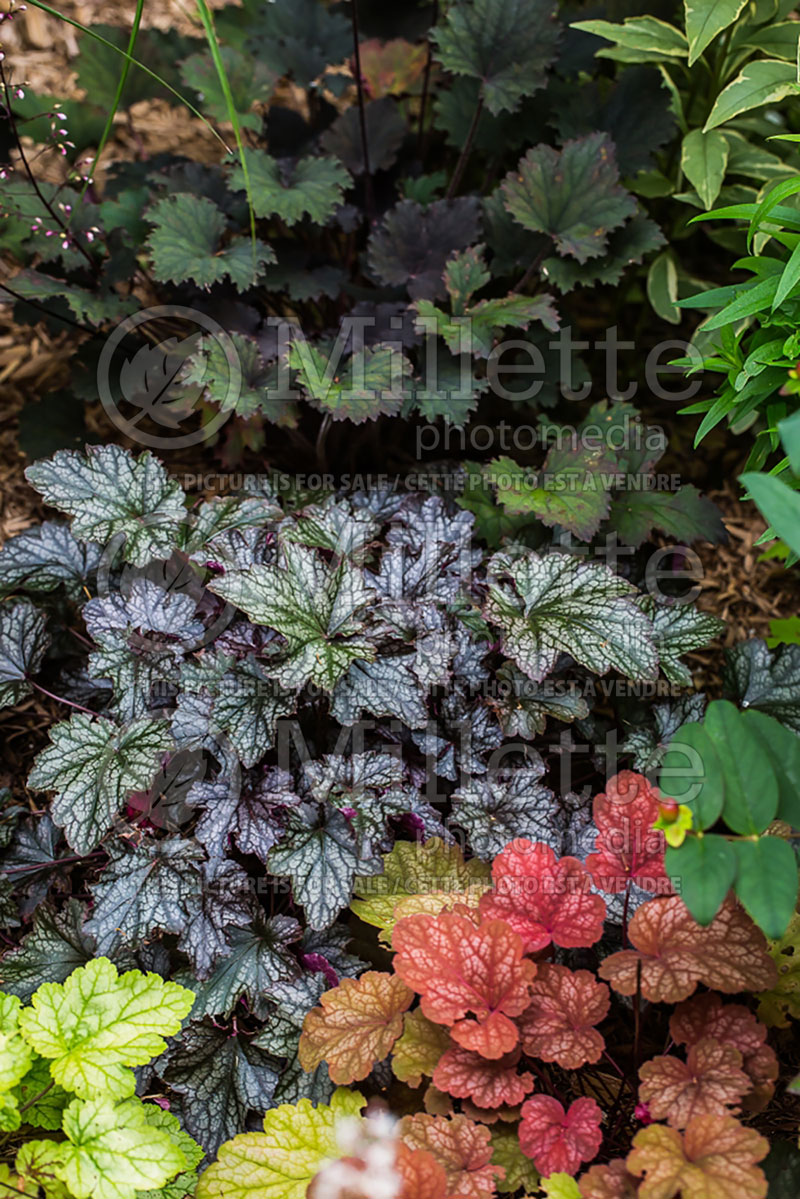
{"type": "Point", "coordinates": [23, 640]}
{"type": "Point", "coordinates": [573, 195]}
{"type": "Point", "coordinates": [219, 1078]}
{"type": "Point", "coordinates": [320, 609]}
{"type": "Point", "coordinates": [555, 603]}
{"type": "Point", "coordinates": [92, 766]}
{"type": "Point", "coordinates": [44, 557]}
{"type": "Point", "coordinates": [99, 1023]}
{"type": "Point", "coordinates": [506, 44]}
{"type": "Point", "coordinates": [110, 493]}
{"type": "Point", "coordinates": [679, 628]}
{"type": "Point", "coordinates": [321, 858]}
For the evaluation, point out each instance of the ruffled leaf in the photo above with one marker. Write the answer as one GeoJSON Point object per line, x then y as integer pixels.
{"type": "Point", "coordinates": [559, 1025]}
{"type": "Point", "coordinates": [459, 969]}
{"type": "Point", "coordinates": [545, 899]}
{"type": "Point", "coordinates": [355, 1026]}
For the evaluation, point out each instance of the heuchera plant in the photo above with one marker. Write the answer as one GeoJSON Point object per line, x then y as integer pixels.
{"type": "Point", "coordinates": [282, 708]}
{"type": "Point", "coordinates": [334, 209]}
{"type": "Point", "coordinates": [71, 1123]}
{"type": "Point", "coordinates": [506, 1042]}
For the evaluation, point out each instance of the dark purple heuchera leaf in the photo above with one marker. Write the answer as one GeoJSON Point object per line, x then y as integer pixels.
{"type": "Point", "coordinates": [503, 806]}
{"type": "Point", "coordinates": [219, 1079]}
{"type": "Point", "coordinates": [168, 886]}
{"type": "Point", "coordinates": [412, 245]}
{"type": "Point", "coordinates": [247, 812]}
{"type": "Point", "coordinates": [259, 958]}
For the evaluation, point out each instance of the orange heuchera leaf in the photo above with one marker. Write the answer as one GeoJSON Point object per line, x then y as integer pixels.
{"type": "Point", "coordinates": [710, 1081]}
{"type": "Point", "coordinates": [467, 1075]}
{"type": "Point", "coordinates": [730, 1024]}
{"type": "Point", "coordinates": [355, 1025]}
{"type": "Point", "coordinates": [715, 1158]}
{"type": "Point", "coordinates": [610, 1181]}
{"type": "Point", "coordinates": [675, 953]}
{"type": "Point", "coordinates": [464, 1150]}
{"type": "Point", "coordinates": [543, 897]}
{"type": "Point", "coordinates": [557, 1141]}
{"type": "Point", "coordinates": [458, 968]}
{"type": "Point", "coordinates": [419, 1049]}
{"type": "Point", "coordinates": [628, 848]}
{"type": "Point", "coordinates": [559, 1024]}
{"type": "Point", "coordinates": [421, 1175]}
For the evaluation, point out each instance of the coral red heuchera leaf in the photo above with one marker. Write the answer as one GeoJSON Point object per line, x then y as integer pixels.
{"type": "Point", "coordinates": [715, 1158]}
{"type": "Point", "coordinates": [628, 848]}
{"type": "Point", "coordinates": [422, 1177]}
{"type": "Point", "coordinates": [543, 897]}
{"type": "Point", "coordinates": [709, 1083]}
{"type": "Point", "coordinates": [611, 1181]}
{"type": "Point", "coordinates": [559, 1141]}
{"type": "Point", "coordinates": [730, 1024]}
{"type": "Point", "coordinates": [457, 968]}
{"type": "Point", "coordinates": [467, 1075]}
{"type": "Point", "coordinates": [675, 953]}
{"type": "Point", "coordinates": [559, 1024]}
{"type": "Point", "coordinates": [355, 1025]}
{"type": "Point", "coordinates": [462, 1148]}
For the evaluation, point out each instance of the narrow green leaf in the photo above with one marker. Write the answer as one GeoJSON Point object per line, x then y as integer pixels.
{"type": "Point", "coordinates": [662, 288]}
{"type": "Point", "coordinates": [705, 19]}
{"type": "Point", "coordinates": [751, 299]}
{"type": "Point", "coordinates": [704, 160]}
{"type": "Point", "coordinates": [761, 82]}
{"type": "Point", "coordinates": [779, 504]}
{"type": "Point", "coordinates": [789, 430]}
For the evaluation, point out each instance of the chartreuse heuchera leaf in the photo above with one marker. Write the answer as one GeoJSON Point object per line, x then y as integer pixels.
{"type": "Point", "coordinates": [16, 1057]}
{"type": "Point", "coordinates": [98, 1023]}
{"type": "Point", "coordinates": [280, 1162]}
{"type": "Point", "coordinates": [85, 1034]}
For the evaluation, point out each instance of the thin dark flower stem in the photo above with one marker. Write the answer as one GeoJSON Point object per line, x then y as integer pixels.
{"type": "Point", "coordinates": [637, 1017]}
{"type": "Point", "coordinates": [41, 308]}
{"type": "Point", "coordinates": [36, 1098]}
{"type": "Point", "coordinates": [369, 193]}
{"type": "Point", "coordinates": [67, 860]}
{"type": "Point", "coordinates": [61, 700]}
{"type": "Point", "coordinates": [532, 271]}
{"type": "Point", "coordinates": [423, 104]}
{"type": "Point", "coordinates": [625, 908]}
{"type": "Point", "coordinates": [465, 153]}
{"type": "Point", "coordinates": [33, 180]}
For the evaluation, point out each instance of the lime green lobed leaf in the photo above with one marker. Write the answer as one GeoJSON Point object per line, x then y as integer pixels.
{"type": "Point", "coordinates": [98, 1023]}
